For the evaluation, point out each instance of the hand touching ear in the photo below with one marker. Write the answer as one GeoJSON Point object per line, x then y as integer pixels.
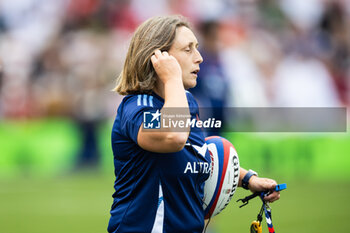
{"type": "Point", "coordinates": [166, 66]}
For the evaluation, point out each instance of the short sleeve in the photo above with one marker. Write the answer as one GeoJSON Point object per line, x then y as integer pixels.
{"type": "Point", "coordinates": [132, 115]}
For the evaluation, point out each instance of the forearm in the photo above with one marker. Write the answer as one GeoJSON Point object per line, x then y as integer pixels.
{"type": "Point", "coordinates": [169, 86]}
{"type": "Point", "coordinates": [176, 106]}
{"type": "Point", "coordinates": [169, 139]}
{"type": "Point", "coordinates": [175, 95]}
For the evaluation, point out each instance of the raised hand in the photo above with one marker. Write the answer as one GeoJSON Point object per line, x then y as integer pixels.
{"type": "Point", "coordinates": [166, 66]}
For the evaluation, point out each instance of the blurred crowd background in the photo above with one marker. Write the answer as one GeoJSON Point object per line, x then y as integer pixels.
{"type": "Point", "coordinates": [59, 60]}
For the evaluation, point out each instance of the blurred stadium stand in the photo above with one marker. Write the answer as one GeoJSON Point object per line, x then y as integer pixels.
{"type": "Point", "coordinates": [59, 61]}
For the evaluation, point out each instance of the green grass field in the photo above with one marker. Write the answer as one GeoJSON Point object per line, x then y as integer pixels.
{"type": "Point", "coordinates": [36, 198]}
{"type": "Point", "coordinates": [79, 203]}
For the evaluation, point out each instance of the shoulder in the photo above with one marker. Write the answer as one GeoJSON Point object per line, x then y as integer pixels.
{"type": "Point", "coordinates": [133, 105]}
{"type": "Point", "coordinates": [191, 100]}
{"type": "Point", "coordinates": [138, 101]}
{"type": "Point", "coordinates": [189, 95]}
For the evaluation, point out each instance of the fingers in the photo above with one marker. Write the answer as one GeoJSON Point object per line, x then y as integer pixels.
{"type": "Point", "coordinates": [271, 184]}
{"type": "Point", "coordinates": [158, 54]}
{"type": "Point", "coordinates": [154, 59]}
{"type": "Point", "coordinates": [274, 196]}
{"type": "Point", "coordinates": [166, 66]}
{"type": "Point", "coordinates": [265, 184]}
{"type": "Point", "coordinates": [165, 53]}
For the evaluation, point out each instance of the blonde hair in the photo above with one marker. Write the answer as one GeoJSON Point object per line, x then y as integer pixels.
{"type": "Point", "coordinates": [138, 75]}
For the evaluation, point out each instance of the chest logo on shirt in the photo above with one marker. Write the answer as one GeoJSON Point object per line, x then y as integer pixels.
{"type": "Point", "coordinates": [202, 150]}
{"type": "Point", "coordinates": [196, 167]}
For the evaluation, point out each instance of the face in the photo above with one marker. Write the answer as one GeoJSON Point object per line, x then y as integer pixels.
{"type": "Point", "coordinates": [185, 50]}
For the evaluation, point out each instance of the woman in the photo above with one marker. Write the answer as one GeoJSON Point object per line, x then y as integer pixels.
{"type": "Point", "coordinates": [154, 192]}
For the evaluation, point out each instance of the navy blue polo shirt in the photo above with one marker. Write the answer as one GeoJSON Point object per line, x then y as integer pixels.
{"type": "Point", "coordinates": [156, 192]}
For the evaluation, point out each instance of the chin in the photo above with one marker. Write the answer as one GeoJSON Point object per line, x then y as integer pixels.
{"type": "Point", "coordinates": [190, 85]}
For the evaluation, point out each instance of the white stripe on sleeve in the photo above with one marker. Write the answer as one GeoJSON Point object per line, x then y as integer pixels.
{"type": "Point", "coordinates": [144, 100]}
{"type": "Point", "coordinates": [151, 101]}
{"type": "Point", "coordinates": [138, 100]}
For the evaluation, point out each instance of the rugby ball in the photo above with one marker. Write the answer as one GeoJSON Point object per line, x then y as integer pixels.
{"type": "Point", "coordinates": [224, 175]}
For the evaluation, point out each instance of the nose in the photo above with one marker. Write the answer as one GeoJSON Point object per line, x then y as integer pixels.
{"type": "Point", "coordinates": [198, 57]}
